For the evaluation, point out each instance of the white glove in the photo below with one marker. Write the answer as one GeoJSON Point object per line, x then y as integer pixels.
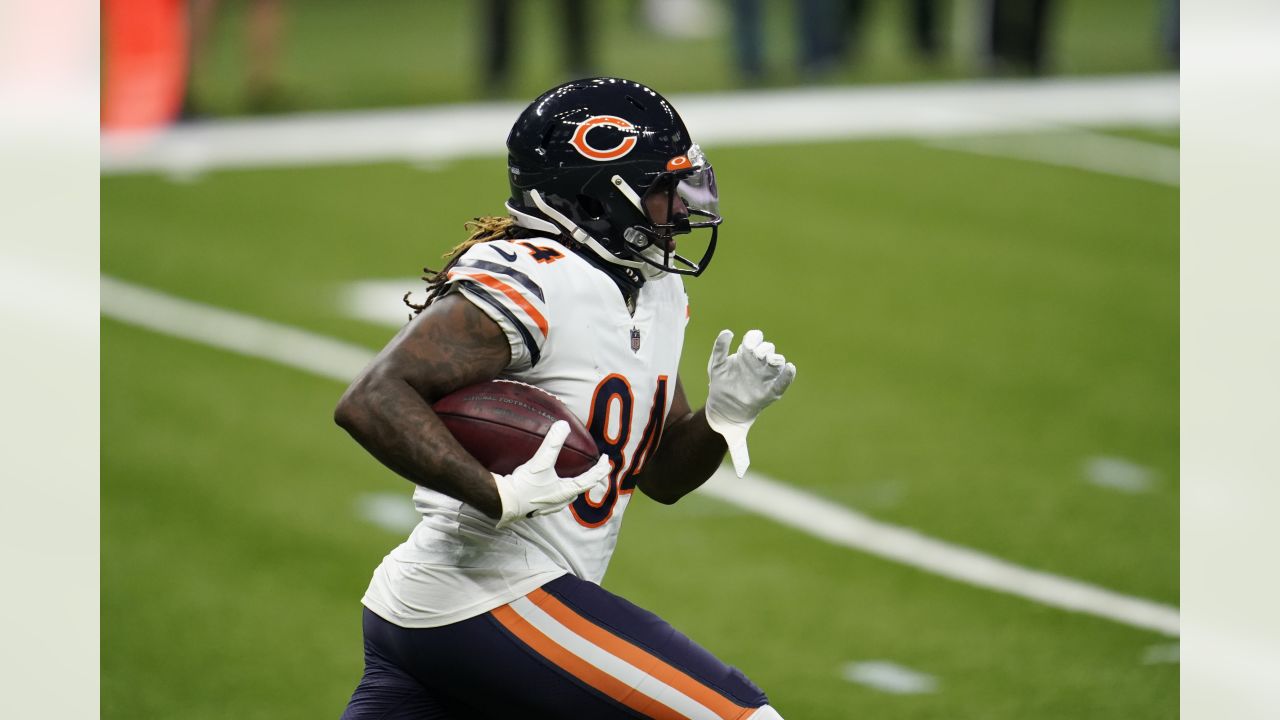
{"type": "Point", "coordinates": [741, 385]}
{"type": "Point", "coordinates": [534, 488]}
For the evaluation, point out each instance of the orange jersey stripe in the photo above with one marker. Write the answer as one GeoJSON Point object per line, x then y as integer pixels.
{"type": "Point", "coordinates": [581, 669]}
{"type": "Point", "coordinates": [638, 657]}
{"type": "Point", "coordinates": [510, 292]}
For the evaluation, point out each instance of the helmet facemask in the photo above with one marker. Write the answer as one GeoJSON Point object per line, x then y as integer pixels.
{"type": "Point", "coordinates": [676, 203]}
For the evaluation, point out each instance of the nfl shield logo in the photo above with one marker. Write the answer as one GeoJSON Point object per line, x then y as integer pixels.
{"type": "Point", "coordinates": [635, 340]}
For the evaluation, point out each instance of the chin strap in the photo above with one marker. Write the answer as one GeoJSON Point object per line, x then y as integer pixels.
{"type": "Point", "coordinates": [629, 276]}
{"type": "Point", "coordinates": [577, 233]}
{"type": "Point", "coordinates": [628, 192]}
{"type": "Point", "coordinates": [646, 270]}
{"type": "Point", "coordinates": [530, 222]}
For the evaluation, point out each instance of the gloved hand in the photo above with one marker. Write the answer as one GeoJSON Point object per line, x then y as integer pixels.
{"type": "Point", "coordinates": [534, 488]}
{"type": "Point", "coordinates": [741, 385]}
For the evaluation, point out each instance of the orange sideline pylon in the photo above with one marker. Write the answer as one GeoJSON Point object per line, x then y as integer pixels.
{"type": "Point", "coordinates": [145, 61]}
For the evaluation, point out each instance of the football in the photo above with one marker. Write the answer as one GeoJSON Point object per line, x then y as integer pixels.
{"type": "Point", "coordinates": [502, 424]}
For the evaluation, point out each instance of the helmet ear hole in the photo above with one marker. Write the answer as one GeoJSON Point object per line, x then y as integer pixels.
{"type": "Point", "coordinates": [591, 206]}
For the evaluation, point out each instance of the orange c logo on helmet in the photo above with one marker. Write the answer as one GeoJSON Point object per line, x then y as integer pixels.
{"type": "Point", "coordinates": [579, 139]}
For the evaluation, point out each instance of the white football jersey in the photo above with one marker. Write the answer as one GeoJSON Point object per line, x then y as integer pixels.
{"type": "Point", "coordinates": [571, 335]}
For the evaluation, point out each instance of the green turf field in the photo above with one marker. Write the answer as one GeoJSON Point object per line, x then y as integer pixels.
{"type": "Point", "coordinates": [341, 55]}
{"type": "Point", "coordinates": [969, 331]}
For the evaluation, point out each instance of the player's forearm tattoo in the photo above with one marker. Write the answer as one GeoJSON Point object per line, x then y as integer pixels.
{"type": "Point", "coordinates": [408, 437]}
{"type": "Point", "coordinates": [387, 409]}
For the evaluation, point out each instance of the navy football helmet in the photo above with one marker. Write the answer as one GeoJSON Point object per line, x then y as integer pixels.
{"type": "Point", "coordinates": [598, 161]}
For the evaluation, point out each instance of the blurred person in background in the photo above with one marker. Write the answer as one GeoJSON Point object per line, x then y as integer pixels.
{"type": "Point", "coordinates": [1170, 32]}
{"type": "Point", "coordinates": [829, 34]}
{"type": "Point", "coordinates": [492, 608]}
{"type": "Point", "coordinates": [923, 26]}
{"type": "Point", "coordinates": [576, 42]}
{"type": "Point", "coordinates": [747, 19]}
{"type": "Point", "coordinates": [262, 31]}
{"type": "Point", "coordinates": [1016, 32]}
{"type": "Point", "coordinates": [836, 31]}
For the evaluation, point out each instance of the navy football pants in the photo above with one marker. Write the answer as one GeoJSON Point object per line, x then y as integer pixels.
{"type": "Point", "coordinates": [568, 650]}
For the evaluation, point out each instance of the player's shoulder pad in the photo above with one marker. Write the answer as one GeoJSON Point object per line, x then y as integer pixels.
{"type": "Point", "coordinates": [533, 257]}
{"type": "Point", "coordinates": [503, 258]}
{"type": "Point", "coordinates": [508, 280]}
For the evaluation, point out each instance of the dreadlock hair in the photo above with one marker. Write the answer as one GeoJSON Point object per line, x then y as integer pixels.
{"type": "Point", "coordinates": [483, 229]}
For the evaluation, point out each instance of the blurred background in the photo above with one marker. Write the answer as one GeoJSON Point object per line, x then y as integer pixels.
{"type": "Point", "coordinates": [959, 219]}
{"type": "Point", "coordinates": [233, 57]}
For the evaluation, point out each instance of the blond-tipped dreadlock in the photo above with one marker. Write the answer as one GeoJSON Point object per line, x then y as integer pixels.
{"type": "Point", "coordinates": [483, 229]}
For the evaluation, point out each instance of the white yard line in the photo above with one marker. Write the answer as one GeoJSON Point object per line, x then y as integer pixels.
{"type": "Point", "coordinates": [784, 504]}
{"type": "Point", "coordinates": [839, 525]}
{"type": "Point", "coordinates": [1120, 475]}
{"type": "Point", "coordinates": [1078, 149]}
{"type": "Point", "coordinates": [228, 330]}
{"type": "Point", "coordinates": [379, 301]}
{"type": "Point", "coordinates": [764, 117]}
{"type": "Point", "coordinates": [393, 512]}
{"type": "Point", "coordinates": [889, 677]}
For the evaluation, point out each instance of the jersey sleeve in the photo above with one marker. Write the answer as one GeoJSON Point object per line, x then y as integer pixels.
{"type": "Point", "coordinates": [503, 284]}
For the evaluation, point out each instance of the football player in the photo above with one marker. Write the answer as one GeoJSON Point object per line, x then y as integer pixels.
{"type": "Point", "coordinates": [492, 607]}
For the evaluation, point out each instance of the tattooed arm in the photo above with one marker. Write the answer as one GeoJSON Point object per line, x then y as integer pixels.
{"type": "Point", "coordinates": [448, 346]}
{"type": "Point", "coordinates": [689, 453]}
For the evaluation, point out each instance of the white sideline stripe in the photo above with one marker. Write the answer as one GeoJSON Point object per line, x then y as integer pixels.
{"type": "Point", "coordinates": [610, 664]}
{"type": "Point", "coordinates": [1081, 150]}
{"type": "Point", "coordinates": [841, 526]}
{"type": "Point", "coordinates": [435, 134]}
{"type": "Point", "coordinates": [889, 677]}
{"type": "Point", "coordinates": [784, 504]}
